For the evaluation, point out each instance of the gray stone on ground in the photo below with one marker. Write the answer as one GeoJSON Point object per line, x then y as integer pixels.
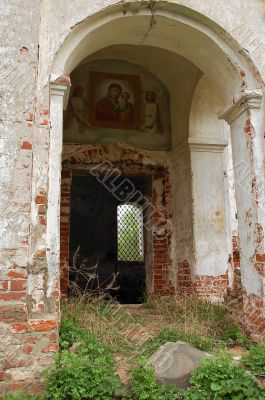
{"type": "Point", "coordinates": [175, 362]}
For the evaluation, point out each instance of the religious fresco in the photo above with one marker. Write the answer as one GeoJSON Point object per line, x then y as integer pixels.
{"type": "Point", "coordinates": [105, 106]}
{"type": "Point", "coordinates": [115, 100]}
{"type": "Point", "coordinates": [151, 113]}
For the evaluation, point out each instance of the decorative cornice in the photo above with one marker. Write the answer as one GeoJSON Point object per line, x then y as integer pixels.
{"type": "Point", "coordinates": [60, 89]}
{"type": "Point", "coordinates": [210, 145]}
{"type": "Point", "coordinates": [248, 99]}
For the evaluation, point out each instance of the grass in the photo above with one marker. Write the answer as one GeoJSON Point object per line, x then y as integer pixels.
{"type": "Point", "coordinates": [131, 332]}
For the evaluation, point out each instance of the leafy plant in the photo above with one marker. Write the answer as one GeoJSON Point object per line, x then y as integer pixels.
{"type": "Point", "coordinates": [70, 333]}
{"type": "Point", "coordinates": [233, 335]}
{"type": "Point", "coordinates": [89, 373]}
{"type": "Point", "coordinates": [255, 360]}
{"type": "Point", "coordinates": [222, 379]}
{"type": "Point", "coordinates": [143, 385]}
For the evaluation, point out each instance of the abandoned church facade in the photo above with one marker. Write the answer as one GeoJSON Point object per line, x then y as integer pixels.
{"type": "Point", "coordinates": [132, 138]}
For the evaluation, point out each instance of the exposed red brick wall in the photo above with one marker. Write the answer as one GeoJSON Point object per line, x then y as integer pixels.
{"type": "Point", "coordinates": [234, 297]}
{"type": "Point", "coordinates": [211, 286]}
{"type": "Point", "coordinates": [41, 200]}
{"type": "Point", "coordinates": [65, 230]}
{"type": "Point", "coordinates": [254, 314]}
{"type": "Point", "coordinates": [253, 307]}
{"type": "Point", "coordinates": [28, 314]}
{"type": "Point", "coordinates": [248, 309]}
{"type": "Point", "coordinates": [202, 285]}
{"type": "Point", "coordinates": [237, 286]}
{"type": "Point", "coordinates": [184, 281]}
{"type": "Point", "coordinates": [259, 264]}
{"type": "Point", "coordinates": [162, 233]}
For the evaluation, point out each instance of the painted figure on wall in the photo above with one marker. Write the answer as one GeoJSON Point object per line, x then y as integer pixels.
{"type": "Point", "coordinates": [151, 114]}
{"type": "Point", "coordinates": [76, 111]}
{"type": "Point", "coordinates": [115, 106]}
{"type": "Point", "coordinates": [126, 109]}
{"type": "Point", "coordinates": [115, 100]}
{"type": "Point", "coordinates": [107, 108]}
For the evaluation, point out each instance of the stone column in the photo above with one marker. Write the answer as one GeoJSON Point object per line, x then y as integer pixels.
{"type": "Point", "coordinates": [57, 92]}
{"type": "Point", "coordinates": [246, 118]}
{"type": "Point", "coordinates": [209, 217]}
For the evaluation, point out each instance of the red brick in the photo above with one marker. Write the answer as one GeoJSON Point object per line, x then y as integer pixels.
{"type": "Point", "coordinates": [2, 375]}
{"type": "Point", "coordinates": [26, 145]}
{"type": "Point", "coordinates": [3, 285]}
{"type": "Point", "coordinates": [41, 307]}
{"type": "Point", "coordinates": [19, 286]}
{"type": "Point", "coordinates": [12, 313]}
{"type": "Point", "coordinates": [42, 209]}
{"type": "Point", "coordinates": [16, 363]}
{"type": "Point", "coordinates": [44, 121]}
{"type": "Point", "coordinates": [12, 296]}
{"type": "Point", "coordinates": [20, 328]}
{"type": "Point", "coordinates": [41, 199]}
{"type": "Point", "coordinates": [27, 349]}
{"type": "Point", "coordinates": [52, 347]}
{"type": "Point", "coordinates": [42, 220]}
{"type": "Point", "coordinates": [260, 257]}
{"type": "Point", "coordinates": [247, 129]}
{"type": "Point", "coordinates": [14, 274]}
{"type": "Point", "coordinates": [29, 117]}
{"type": "Point", "coordinates": [40, 326]}
{"type": "Point", "coordinates": [40, 253]}
{"type": "Point", "coordinates": [185, 283]}
{"type": "Point", "coordinates": [64, 79]}
{"type": "Point", "coordinates": [30, 339]}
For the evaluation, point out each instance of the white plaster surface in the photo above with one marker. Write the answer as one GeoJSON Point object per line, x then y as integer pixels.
{"type": "Point", "coordinates": [207, 162]}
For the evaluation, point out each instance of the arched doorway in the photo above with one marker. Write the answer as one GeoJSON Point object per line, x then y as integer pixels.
{"type": "Point", "coordinates": [227, 73]}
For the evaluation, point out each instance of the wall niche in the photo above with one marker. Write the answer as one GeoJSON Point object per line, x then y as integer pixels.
{"type": "Point", "coordinates": [113, 100]}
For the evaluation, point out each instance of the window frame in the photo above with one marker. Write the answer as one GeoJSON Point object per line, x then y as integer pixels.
{"type": "Point", "coordinates": [142, 233]}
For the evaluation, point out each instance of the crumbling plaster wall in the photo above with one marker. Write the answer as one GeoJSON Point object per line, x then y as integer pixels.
{"type": "Point", "coordinates": [32, 35]}
{"type": "Point", "coordinates": [27, 337]}
{"type": "Point", "coordinates": [230, 15]}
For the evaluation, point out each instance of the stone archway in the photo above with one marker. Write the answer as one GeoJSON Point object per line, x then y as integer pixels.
{"type": "Point", "coordinates": [231, 72]}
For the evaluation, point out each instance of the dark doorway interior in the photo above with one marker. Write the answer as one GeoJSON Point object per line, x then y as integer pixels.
{"type": "Point", "coordinates": [94, 230]}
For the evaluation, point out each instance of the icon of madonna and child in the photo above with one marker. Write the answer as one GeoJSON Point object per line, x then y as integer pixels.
{"type": "Point", "coordinates": [115, 101]}
{"type": "Point", "coordinates": [115, 106]}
